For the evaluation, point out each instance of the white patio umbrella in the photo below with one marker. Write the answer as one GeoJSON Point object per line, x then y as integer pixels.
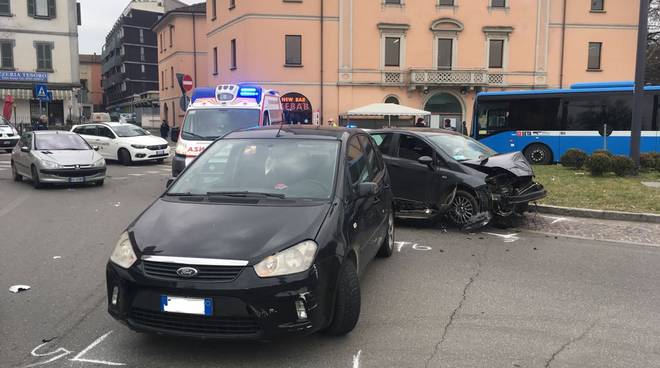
{"type": "Point", "coordinates": [386, 109]}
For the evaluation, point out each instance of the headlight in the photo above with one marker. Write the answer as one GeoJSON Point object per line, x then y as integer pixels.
{"type": "Point", "coordinates": [123, 255]}
{"type": "Point", "coordinates": [50, 164]}
{"type": "Point", "coordinates": [99, 163]}
{"type": "Point", "coordinates": [296, 259]}
{"type": "Point", "coordinates": [181, 149]}
{"type": "Point", "coordinates": [138, 146]}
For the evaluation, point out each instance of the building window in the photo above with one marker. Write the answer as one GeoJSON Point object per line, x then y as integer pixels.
{"type": "Point", "coordinates": [171, 77]}
{"type": "Point", "coordinates": [7, 54]}
{"type": "Point", "coordinates": [42, 8]}
{"type": "Point", "coordinates": [233, 54]}
{"type": "Point", "coordinates": [123, 86]}
{"type": "Point", "coordinates": [232, 4]}
{"type": "Point", "coordinates": [171, 36]}
{"type": "Point", "coordinates": [446, 2]}
{"type": "Point", "coordinates": [122, 68]}
{"type": "Point", "coordinates": [162, 45]}
{"type": "Point", "coordinates": [393, 51]}
{"type": "Point", "coordinates": [44, 56]}
{"type": "Point", "coordinates": [392, 100]}
{"type": "Point", "coordinates": [162, 80]}
{"type": "Point", "coordinates": [445, 53]}
{"type": "Point", "coordinates": [595, 49]}
{"type": "Point", "coordinates": [496, 54]}
{"type": "Point", "coordinates": [293, 50]}
{"type": "Point", "coordinates": [5, 7]}
{"type": "Point", "coordinates": [141, 53]}
{"type": "Point", "coordinates": [215, 61]}
{"type": "Point", "coordinates": [393, 2]}
{"type": "Point", "coordinates": [141, 35]}
{"type": "Point", "coordinates": [214, 9]}
{"type": "Point", "coordinates": [498, 3]}
{"type": "Point", "coordinates": [597, 5]}
{"type": "Point", "coordinates": [143, 68]}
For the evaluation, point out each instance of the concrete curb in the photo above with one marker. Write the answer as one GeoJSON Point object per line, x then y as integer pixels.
{"type": "Point", "coordinates": [598, 214]}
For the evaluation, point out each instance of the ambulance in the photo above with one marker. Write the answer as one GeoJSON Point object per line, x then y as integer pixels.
{"type": "Point", "coordinates": [215, 112]}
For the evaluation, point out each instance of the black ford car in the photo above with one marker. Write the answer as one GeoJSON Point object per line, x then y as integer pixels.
{"type": "Point", "coordinates": [263, 234]}
{"type": "Point", "coordinates": [437, 171]}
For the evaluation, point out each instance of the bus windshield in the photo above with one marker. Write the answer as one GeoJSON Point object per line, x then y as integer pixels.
{"type": "Point", "coordinates": [209, 124]}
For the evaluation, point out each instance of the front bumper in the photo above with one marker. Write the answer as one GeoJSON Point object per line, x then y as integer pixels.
{"type": "Point", "coordinates": [62, 176]}
{"type": "Point", "coordinates": [247, 308]}
{"type": "Point", "coordinates": [179, 163]}
{"type": "Point", "coordinates": [146, 154]}
{"type": "Point", "coordinates": [8, 142]}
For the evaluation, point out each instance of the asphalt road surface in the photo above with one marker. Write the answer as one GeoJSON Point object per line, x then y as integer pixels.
{"type": "Point", "coordinates": [445, 299]}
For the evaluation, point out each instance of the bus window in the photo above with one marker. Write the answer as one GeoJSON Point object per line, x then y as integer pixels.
{"type": "Point", "coordinates": [585, 112]}
{"type": "Point", "coordinates": [492, 118]}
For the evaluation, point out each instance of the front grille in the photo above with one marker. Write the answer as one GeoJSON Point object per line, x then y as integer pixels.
{"type": "Point", "coordinates": [156, 148]}
{"type": "Point", "coordinates": [195, 324]}
{"type": "Point", "coordinates": [73, 173]}
{"type": "Point", "coordinates": [206, 273]}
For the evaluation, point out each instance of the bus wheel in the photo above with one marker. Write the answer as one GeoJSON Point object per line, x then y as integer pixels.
{"type": "Point", "coordinates": [538, 154]}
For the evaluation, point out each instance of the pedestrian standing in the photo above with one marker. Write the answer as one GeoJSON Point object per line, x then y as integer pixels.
{"type": "Point", "coordinates": [164, 129]}
{"type": "Point", "coordinates": [420, 123]}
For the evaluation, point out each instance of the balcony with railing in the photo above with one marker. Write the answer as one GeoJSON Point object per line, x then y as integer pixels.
{"type": "Point", "coordinates": [460, 77]}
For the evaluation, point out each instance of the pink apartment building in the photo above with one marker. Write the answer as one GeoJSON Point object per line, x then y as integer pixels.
{"type": "Point", "coordinates": [182, 48]}
{"type": "Point", "coordinates": [429, 54]}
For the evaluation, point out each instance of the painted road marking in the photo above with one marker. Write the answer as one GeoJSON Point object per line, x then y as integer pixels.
{"type": "Point", "coordinates": [356, 359]}
{"type": "Point", "coordinates": [138, 175]}
{"type": "Point", "coordinates": [556, 219]}
{"type": "Point", "coordinates": [507, 238]}
{"type": "Point", "coordinates": [62, 352]}
{"type": "Point", "coordinates": [402, 244]}
{"type": "Point", "coordinates": [153, 172]}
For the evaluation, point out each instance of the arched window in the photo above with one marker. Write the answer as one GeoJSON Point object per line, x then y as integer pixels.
{"type": "Point", "coordinates": [392, 100]}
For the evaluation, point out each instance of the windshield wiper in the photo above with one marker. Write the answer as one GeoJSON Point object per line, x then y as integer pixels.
{"type": "Point", "coordinates": [197, 135]}
{"type": "Point", "coordinates": [246, 194]}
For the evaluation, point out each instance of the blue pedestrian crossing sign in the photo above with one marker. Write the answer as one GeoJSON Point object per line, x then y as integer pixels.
{"type": "Point", "coordinates": [41, 92]}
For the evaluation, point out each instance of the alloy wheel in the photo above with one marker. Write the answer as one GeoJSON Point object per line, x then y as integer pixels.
{"type": "Point", "coordinates": [462, 210]}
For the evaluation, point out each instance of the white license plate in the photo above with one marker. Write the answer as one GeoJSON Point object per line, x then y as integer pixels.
{"type": "Point", "coordinates": [77, 180]}
{"type": "Point", "coordinates": [160, 152]}
{"type": "Point", "coordinates": [197, 306]}
{"type": "Point", "coordinates": [6, 142]}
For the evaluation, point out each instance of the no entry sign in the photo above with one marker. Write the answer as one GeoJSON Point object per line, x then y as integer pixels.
{"type": "Point", "coordinates": [187, 83]}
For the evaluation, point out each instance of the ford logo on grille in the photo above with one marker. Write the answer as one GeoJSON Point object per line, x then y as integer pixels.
{"type": "Point", "coordinates": [187, 272]}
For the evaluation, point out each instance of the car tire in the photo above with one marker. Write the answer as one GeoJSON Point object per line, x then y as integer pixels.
{"type": "Point", "coordinates": [387, 248]}
{"type": "Point", "coordinates": [160, 161]}
{"type": "Point", "coordinates": [124, 157]}
{"type": "Point", "coordinates": [14, 173]}
{"type": "Point", "coordinates": [36, 183]}
{"type": "Point", "coordinates": [464, 208]}
{"type": "Point", "coordinates": [100, 183]}
{"type": "Point", "coordinates": [538, 154]}
{"type": "Point", "coordinates": [347, 302]}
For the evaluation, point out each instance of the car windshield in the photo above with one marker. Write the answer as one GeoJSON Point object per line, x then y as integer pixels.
{"type": "Point", "coordinates": [276, 168]}
{"type": "Point", "coordinates": [209, 124]}
{"type": "Point", "coordinates": [59, 142]}
{"type": "Point", "coordinates": [461, 148]}
{"type": "Point", "coordinates": [129, 131]}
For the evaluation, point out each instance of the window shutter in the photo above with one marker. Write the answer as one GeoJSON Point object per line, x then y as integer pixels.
{"type": "Point", "coordinates": [31, 6]}
{"type": "Point", "coordinates": [52, 9]}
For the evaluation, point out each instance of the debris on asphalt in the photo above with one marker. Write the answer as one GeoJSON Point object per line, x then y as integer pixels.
{"type": "Point", "coordinates": [117, 204]}
{"type": "Point", "coordinates": [442, 251]}
{"type": "Point", "coordinates": [19, 288]}
{"type": "Point", "coordinates": [535, 249]}
{"type": "Point", "coordinates": [506, 250]}
{"type": "Point", "coordinates": [57, 257]}
{"type": "Point", "coordinates": [48, 340]}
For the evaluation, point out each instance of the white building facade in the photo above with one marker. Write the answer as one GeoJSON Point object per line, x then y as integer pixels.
{"type": "Point", "coordinates": [39, 47]}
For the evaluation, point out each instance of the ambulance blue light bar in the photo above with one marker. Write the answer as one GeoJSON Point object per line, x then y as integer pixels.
{"type": "Point", "coordinates": [203, 92]}
{"type": "Point", "coordinates": [250, 92]}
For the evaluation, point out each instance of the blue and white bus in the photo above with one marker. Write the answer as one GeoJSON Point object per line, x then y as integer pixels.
{"type": "Point", "coordinates": [543, 124]}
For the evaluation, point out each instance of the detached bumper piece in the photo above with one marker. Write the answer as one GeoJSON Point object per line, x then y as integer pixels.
{"type": "Point", "coordinates": [532, 192]}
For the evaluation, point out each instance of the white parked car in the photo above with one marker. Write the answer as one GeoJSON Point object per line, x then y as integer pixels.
{"type": "Point", "coordinates": [126, 143]}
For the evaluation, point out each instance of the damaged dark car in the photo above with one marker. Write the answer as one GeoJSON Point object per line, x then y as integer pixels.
{"type": "Point", "coordinates": [437, 172]}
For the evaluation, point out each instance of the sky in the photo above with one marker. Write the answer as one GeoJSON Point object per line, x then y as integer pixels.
{"type": "Point", "coordinates": [98, 17]}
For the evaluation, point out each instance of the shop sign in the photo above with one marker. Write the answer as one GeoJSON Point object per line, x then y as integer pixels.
{"type": "Point", "coordinates": [9, 76]}
{"type": "Point", "coordinates": [295, 102]}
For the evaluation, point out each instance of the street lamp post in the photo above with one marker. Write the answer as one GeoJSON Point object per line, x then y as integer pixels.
{"type": "Point", "coordinates": [640, 70]}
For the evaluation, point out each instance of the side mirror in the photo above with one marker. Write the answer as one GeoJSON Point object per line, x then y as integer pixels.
{"type": "Point", "coordinates": [426, 160]}
{"type": "Point", "coordinates": [95, 148]}
{"type": "Point", "coordinates": [25, 149]}
{"type": "Point", "coordinates": [170, 181]}
{"type": "Point", "coordinates": [367, 189]}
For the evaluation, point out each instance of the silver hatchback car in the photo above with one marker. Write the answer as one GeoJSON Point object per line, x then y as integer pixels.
{"type": "Point", "coordinates": [56, 157]}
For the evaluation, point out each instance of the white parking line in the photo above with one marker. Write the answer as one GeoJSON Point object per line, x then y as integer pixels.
{"type": "Point", "coordinates": [138, 175]}
{"type": "Point", "coordinates": [152, 172]}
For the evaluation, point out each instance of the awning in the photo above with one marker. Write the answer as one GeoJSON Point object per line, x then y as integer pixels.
{"type": "Point", "coordinates": [27, 94]}
{"type": "Point", "coordinates": [386, 109]}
